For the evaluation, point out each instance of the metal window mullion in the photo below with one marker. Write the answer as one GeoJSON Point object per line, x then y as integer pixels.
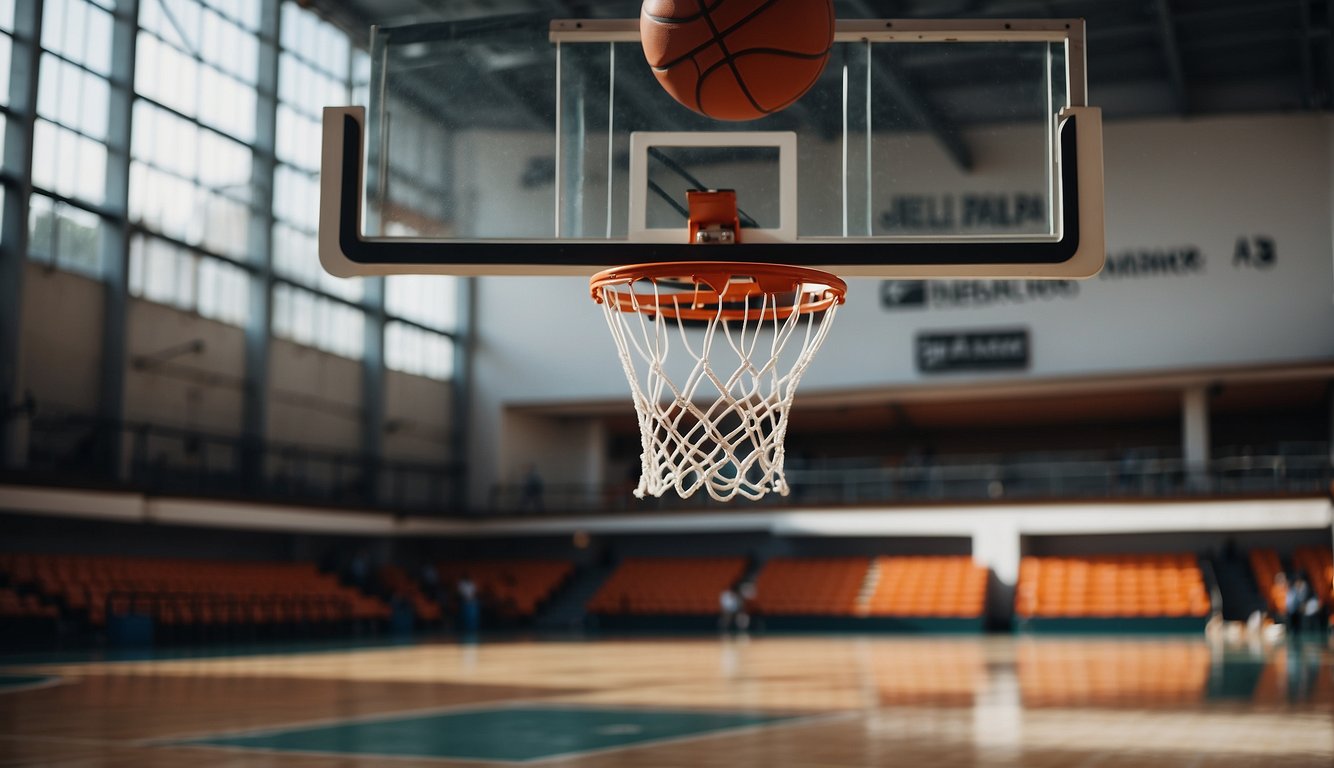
{"type": "Point", "coordinates": [116, 245]}
{"type": "Point", "coordinates": [25, 57]}
{"type": "Point", "coordinates": [258, 334]}
{"type": "Point", "coordinates": [452, 335]}
{"type": "Point", "coordinates": [462, 387]}
{"type": "Point", "coordinates": [194, 250]}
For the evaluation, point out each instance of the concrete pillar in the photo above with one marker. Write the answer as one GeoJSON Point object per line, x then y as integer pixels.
{"type": "Point", "coordinates": [1195, 435]}
{"type": "Point", "coordinates": [997, 545]}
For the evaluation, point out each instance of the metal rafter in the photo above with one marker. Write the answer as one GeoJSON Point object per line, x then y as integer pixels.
{"type": "Point", "coordinates": [1176, 73]}
{"type": "Point", "coordinates": [1310, 99]}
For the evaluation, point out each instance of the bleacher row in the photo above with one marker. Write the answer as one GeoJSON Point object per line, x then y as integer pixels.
{"type": "Point", "coordinates": [197, 592]}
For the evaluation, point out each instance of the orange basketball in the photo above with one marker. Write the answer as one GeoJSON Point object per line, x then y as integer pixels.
{"type": "Point", "coordinates": [737, 59]}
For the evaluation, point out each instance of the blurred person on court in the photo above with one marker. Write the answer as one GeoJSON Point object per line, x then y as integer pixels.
{"type": "Point", "coordinates": [470, 610]}
{"type": "Point", "coordinates": [1298, 593]}
{"type": "Point", "coordinates": [729, 605]}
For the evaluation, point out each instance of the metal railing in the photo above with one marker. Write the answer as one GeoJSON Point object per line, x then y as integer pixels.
{"type": "Point", "coordinates": [1304, 469]}
{"type": "Point", "coordinates": [173, 461]}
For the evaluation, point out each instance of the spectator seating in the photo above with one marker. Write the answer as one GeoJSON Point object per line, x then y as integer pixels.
{"type": "Point", "coordinates": [397, 582]}
{"type": "Point", "coordinates": [944, 586]}
{"type": "Point", "coordinates": [810, 586]}
{"type": "Point", "coordinates": [15, 606]}
{"type": "Point", "coordinates": [191, 592]}
{"type": "Point", "coordinates": [1318, 565]}
{"type": "Point", "coordinates": [1266, 565]}
{"type": "Point", "coordinates": [667, 586]}
{"type": "Point", "coordinates": [517, 586]}
{"type": "Point", "coordinates": [1107, 586]}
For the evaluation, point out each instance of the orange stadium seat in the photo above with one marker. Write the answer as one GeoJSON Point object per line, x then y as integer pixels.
{"type": "Point", "coordinates": [1150, 586]}
{"type": "Point", "coordinates": [190, 592]}
{"type": "Point", "coordinates": [810, 586]}
{"type": "Point", "coordinates": [520, 585]}
{"type": "Point", "coordinates": [1318, 565]}
{"type": "Point", "coordinates": [943, 586]}
{"type": "Point", "coordinates": [667, 585]}
{"type": "Point", "coordinates": [397, 581]}
{"type": "Point", "coordinates": [1266, 565]}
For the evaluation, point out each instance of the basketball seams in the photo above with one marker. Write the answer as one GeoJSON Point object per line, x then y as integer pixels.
{"type": "Point", "coordinates": [720, 36]}
{"type": "Point", "coordinates": [712, 38]}
{"type": "Point", "coordinates": [721, 42]}
{"type": "Point", "coordinates": [703, 76]}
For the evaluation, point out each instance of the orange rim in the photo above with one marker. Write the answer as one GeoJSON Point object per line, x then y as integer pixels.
{"type": "Point", "coordinates": [712, 288]}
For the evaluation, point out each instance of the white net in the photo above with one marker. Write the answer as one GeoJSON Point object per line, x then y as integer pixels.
{"type": "Point", "coordinates": [713, 415]}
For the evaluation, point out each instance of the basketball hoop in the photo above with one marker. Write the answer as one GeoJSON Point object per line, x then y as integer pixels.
{"type": "Point", "coordinates": [748, 331]}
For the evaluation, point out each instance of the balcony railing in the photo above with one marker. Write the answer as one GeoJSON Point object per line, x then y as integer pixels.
{"type": "Point", "coordinates": [168, 460]}
{"type": "Point", "coordinates": [1304, 469]}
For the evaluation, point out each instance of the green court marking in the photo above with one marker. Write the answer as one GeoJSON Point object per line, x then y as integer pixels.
{"type": "Point", "coordinates": [511, 734]}
{"type": "Point", "coordinates": [13, 683]}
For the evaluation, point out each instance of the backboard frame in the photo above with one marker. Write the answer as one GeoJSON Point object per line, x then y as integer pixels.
{"type": "Point", "coordinates": [1076, 251]}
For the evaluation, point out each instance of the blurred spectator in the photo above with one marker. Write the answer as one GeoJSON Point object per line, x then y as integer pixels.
{"type": "Point", "coordinates": [470, 612]}
{"type": "Point", "coordinates": [532, 491]}
{"type": "Point", "coordinates": [729, 604]}
{"type": "Point", "coordinates": [1298, 593]}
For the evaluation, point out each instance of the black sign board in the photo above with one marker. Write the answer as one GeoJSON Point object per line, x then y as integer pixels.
{"type": "Point", "coordinates": [942, 352]}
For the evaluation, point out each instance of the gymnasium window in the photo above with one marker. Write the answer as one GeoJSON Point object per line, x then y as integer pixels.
{"type": "Point", "coordinates": [190, 183]}
{"type": "Point", "coordinates": [69, 152]}
{"type": "Point", "coordinates": [64, 235]}
{"type": "Point", "coordinates": [421, 345]}
{"type": "Point", "coordinates": [314, 70]}
{"type": "Point", "coordinates": [167, 273]}
{"type": "Point", "coordinates": [410, 349]}
{"type": "Point", "coordinates": [188, 49]}
{"type": "Point", "coordinates": [318, 321]}
{"type": "Point", "coordinates": [6, 55]}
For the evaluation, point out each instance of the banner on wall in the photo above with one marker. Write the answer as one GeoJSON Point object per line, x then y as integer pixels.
{"type": "Point", "coordinates": [983, 350]}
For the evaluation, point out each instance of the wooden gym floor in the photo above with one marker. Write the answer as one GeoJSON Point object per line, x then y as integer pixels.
{"type": "Point", "coordinates": [805, 701]}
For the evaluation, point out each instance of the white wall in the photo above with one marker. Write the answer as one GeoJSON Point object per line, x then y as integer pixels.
{"type": "Point", "coordinates": [1171, 185]}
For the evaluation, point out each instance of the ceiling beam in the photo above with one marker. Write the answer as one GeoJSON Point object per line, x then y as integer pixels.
{"type": "Point", "coordinates": [1310, 100]}
{"type": "Point", "coordinates": [1176, 73]}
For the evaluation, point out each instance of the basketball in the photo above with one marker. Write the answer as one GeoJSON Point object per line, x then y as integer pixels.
{"type": "Point", "coordinates": [737, 59]}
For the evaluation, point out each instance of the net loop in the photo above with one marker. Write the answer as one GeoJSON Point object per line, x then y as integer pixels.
{"type": "Point", "coordinates": [714, 417]}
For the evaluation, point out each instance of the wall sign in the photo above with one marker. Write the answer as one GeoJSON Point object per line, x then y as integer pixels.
{"type": "Point", "coordinates": [945, 352]}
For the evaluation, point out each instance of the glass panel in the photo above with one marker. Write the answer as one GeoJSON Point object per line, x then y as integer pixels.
{"type": "Point", "coordinates": [6, 54]}
{"type": "Point", "coordinates": [412, 350]}
{"type": "Point", "coordinates": [68, 237]}
{"type": "Point", "coordinates": [306, 318]}
{"type": "Point", "coordinates": [167, 274]}
{"type": "Point", "coordinates": [426, 300]}
{"type": "Point", "coordinates": [68, 164]}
